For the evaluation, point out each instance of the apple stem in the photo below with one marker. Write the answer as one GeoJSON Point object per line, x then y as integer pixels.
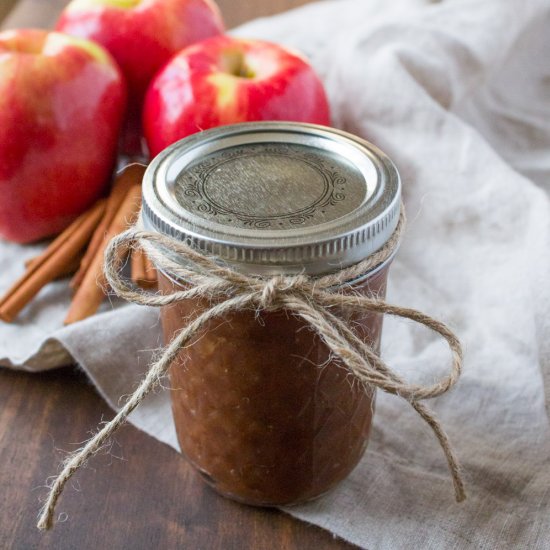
{"type": "Point", "coordinates": [234, 64]}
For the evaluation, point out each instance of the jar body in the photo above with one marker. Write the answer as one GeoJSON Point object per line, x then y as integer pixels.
{"type": "Point", "coordinates": [261, 410]}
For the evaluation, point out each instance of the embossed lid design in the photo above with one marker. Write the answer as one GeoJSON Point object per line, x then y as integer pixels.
{"type": "Point", "coordinates": [274, 197]}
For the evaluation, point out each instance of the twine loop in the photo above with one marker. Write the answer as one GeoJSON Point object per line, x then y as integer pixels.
{"type": "Point", "coordinates": [316, 300]}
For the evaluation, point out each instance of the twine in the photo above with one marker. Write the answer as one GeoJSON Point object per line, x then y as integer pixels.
{"type": "Point", "coordinates": [312, 299]}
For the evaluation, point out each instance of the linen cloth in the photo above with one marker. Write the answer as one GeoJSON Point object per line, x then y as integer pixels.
{"type": "Point", "coordinates": [458, 94]}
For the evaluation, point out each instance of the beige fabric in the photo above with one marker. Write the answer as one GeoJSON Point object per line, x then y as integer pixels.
{"type": "Point", "coordinates": [457, 93]}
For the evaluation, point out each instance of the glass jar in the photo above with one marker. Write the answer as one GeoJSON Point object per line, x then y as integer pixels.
{"type": "Point", "coordinates": [262, 410]}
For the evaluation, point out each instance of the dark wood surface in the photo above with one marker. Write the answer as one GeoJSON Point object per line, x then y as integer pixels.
{"type": "Point", "coordinates": [141, 494]}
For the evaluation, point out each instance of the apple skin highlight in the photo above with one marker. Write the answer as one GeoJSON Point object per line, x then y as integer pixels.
{"type": "Point", "coordinates": [225, 80]}
{"type": "Point", "coordinates": [62, 102]}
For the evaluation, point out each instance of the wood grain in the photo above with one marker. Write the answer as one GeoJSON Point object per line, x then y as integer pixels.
{"type": "Point", "coordinates": [5, 8]}
{"type": "Point", "coordinates": [40, 14]}
{"type": "Point", "coordinates": [43, 13]}
{"type": "Point", "coordinates": [236, 12]}
{"type": "Point", "coordinates": [142, 494]}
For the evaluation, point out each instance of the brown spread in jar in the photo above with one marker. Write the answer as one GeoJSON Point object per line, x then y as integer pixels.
{"type": "Point", "coordinates": [262, 410]}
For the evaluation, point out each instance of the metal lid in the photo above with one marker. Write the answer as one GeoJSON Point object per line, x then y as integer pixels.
{"type": "Point", "coordinates": [274, 197]}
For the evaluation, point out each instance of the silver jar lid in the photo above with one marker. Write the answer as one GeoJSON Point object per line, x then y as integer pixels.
{"type": "Point", "coordinates": [274, 197]}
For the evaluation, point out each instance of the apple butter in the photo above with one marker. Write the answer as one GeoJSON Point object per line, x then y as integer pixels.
{"type": "Point", "coordinates": [262, 410]}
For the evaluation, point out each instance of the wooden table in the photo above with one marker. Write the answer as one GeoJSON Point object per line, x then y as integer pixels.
{"type": "Point", "coordinates": [142, 494]}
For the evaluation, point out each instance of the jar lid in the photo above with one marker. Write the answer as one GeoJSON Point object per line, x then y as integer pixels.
{"type": "Point", "coordinates": [274, 197]}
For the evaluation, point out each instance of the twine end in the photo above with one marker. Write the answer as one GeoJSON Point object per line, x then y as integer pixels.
{"type": "Point", "coordinates": [45, 521]}
{"type": "Point", "coordinates": [460, 491]}
{"type": "Point", "coordinates": [461, 496]}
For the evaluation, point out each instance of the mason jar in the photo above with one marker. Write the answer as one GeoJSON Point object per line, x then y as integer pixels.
{"type": "Point", "coordinates": [263, 411]}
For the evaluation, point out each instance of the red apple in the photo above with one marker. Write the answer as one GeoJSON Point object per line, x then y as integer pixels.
{"type": "Point", "coordinates": [141, 34]}
{"type": "Point", "coordinates": [224, 80]}
{"type": "Point", "coordinates": [62, 100]}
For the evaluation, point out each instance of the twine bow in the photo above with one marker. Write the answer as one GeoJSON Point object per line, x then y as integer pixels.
{"type": "Point", "coordinates": [315, 300]}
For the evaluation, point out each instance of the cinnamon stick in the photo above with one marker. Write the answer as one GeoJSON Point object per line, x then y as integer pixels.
{"type": "Point", "coordinates": [143, 273]}
{"type": "Point", "coordinates": [90, 293]}
{"type": "Point", "coordinates": [29, 263]}
{"type": "Point", "coordinates": [137, 264]}
{"type": "Point", "coordinates": [128, 176]}
{"type": "Point", "coordinates": [151, 278]}
{"type": "Point", "coordinates": [70, 269]}
{"type": "Point", "coordinates": [51, 263]}
{"type": "Point", "coordinates": [57, 243]}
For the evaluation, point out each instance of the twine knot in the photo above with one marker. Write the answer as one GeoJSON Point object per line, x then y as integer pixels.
{"type": "Point", "coordinates": [313, 300]}
{"type": "Point", "coordinates": [277, 286]}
